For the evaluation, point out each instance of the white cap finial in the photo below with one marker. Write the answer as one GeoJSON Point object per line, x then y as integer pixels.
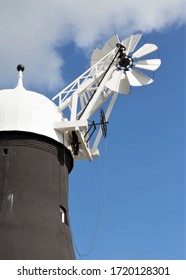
{"type": "Point", "coordinates": [20, 69]}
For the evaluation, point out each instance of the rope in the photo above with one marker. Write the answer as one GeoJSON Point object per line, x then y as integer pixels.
{"type": "Point", "coordinates": [99, 219]}
{"type": "Point", "coordinates": [103, 170]}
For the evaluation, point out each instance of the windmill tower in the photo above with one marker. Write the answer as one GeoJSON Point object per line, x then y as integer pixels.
{"type": "Point", "coordinates": [39, 142]}
{"type": "Point", "coordinates": [34, 166]}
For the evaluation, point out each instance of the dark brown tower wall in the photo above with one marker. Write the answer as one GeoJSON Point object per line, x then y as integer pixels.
{"type": "Point", "coordinates": [33, 185]}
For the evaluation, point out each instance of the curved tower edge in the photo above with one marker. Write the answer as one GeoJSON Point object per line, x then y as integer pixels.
{"type": "Point", "coordinates": [34, 216]}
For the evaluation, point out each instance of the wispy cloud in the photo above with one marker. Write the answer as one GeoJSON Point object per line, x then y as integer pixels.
{"type": "Point", "coordinates": [31, 31]}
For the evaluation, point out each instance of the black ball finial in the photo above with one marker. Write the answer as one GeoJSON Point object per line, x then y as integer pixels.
{"type": "Point", "coordinates": [20, 67]}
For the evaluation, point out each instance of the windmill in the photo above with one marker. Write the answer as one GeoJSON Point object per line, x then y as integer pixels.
{"type": "Point", "coordinates": [40, 140]}
{"type": "Point", "coordinates": [114, 69]}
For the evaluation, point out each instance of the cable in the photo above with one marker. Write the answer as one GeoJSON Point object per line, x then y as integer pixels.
{"type": "Point", "coordinates": [99, 223]}
{"type": "Point", "coordinates": [103, 170]}
{"type": "Point", "coordinates": [95, 231]}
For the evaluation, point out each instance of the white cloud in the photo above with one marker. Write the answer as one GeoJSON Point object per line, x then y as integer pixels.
{"type": "Point", "coordinates": [31, 30]}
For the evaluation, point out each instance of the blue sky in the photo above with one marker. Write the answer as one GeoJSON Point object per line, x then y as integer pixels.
{"type": "Point", "coordinates": [130, 202]}
{"type": "Point", "coordinates": [134, 195]}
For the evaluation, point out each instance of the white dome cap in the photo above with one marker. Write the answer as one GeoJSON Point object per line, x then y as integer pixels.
{"type": "Point", "coordinates": [24, 110]}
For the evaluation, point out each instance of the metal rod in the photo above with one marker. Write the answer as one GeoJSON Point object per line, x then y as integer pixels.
{"type": "Point", "coordinates": [100, 82]}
